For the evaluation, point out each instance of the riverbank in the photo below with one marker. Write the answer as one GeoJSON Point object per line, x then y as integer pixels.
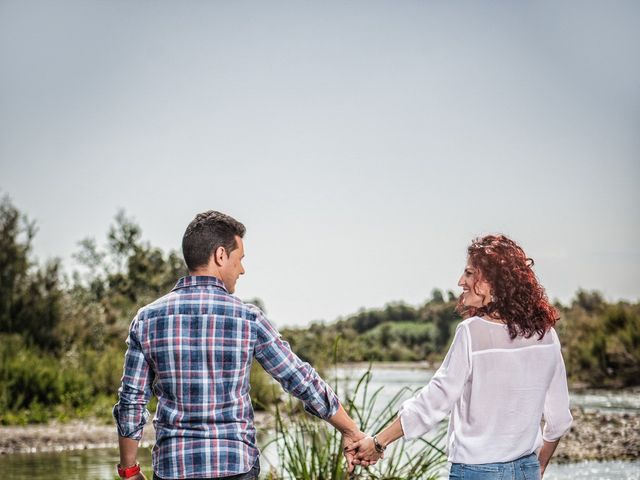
{"type": "Point", "coordinates": [594, 435]}
{"type": "Point", "coordinates": [598, 435]}
{"type": "Point", "coordinates": [80, 435]}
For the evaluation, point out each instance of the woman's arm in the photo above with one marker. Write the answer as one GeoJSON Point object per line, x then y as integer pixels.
{"type": "Point", "coordinates": [546, 452]}
{"type": "Point", "coordinates": [422, 413]}
{"type": "Point", "coordinates": [557, 415]}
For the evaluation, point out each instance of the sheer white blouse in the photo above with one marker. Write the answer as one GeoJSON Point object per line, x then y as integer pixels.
{"type": "Point", "coordinates": [497, 391]}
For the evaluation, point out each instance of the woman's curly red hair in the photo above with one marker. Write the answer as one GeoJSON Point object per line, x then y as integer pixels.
{"type": "Point", "coordinates": [517, 298]}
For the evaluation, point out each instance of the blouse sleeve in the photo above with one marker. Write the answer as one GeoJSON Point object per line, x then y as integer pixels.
{"type": "Point", "coordinates": [557, 416]}
{"type": "Point", "coordinates": [423, 412]}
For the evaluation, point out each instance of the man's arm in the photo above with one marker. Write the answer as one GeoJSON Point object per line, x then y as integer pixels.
{"type": "Point", "coordinates": [302, 381]}
{"type": "Point", "coordinates": [128, 454]}
{"type": "Point", "coordinates": [128, 451]}
{"type": "Point", "coordinates": [296, 377]}
{"type": "Point", "coordinates": [130, 412]}
{"type": "Point", "coordinates": [342, 422]}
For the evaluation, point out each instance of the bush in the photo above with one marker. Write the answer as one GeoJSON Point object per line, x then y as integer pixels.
{"type": "Point", "coordinates": [37, 383]}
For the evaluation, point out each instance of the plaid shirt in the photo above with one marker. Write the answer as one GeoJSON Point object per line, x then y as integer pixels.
{"type": "Point", "coordinates": [193, 349]}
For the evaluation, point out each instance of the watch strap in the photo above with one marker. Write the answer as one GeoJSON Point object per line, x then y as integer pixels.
{"type": "Point", "coordinates": [378, 445]}
{"type": "Point", "coordinates": [128, 472]}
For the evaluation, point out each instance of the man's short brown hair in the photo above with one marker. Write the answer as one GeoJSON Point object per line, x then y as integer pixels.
{"type": "Point", "coordinates": [208, 231]}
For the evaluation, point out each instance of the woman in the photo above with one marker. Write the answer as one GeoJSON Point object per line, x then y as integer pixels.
{"type": "Point", "coordinates": [503, 372]}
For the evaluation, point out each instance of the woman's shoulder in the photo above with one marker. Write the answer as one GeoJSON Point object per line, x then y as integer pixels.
{"type": "Point", "coordinates": [553, 334]}
{"type": "Point", "coordinates": [470, 324]}
{"type": "Point", "coordinates": [472, 327]}
{"type": "Point", "coordinates": [464, 324]}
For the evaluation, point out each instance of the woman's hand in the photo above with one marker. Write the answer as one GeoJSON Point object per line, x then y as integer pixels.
{"type": "Point", "coordinates": [365, 452]}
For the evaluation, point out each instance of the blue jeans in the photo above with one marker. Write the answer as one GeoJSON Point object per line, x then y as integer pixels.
{"type": "Point", "coordinates": [252, 474]}
{"type": "Point", "coordinates": [524, 468]}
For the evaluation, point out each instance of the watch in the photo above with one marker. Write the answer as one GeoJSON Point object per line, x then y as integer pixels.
{"type": "Point", "coordinates": [129, 471]}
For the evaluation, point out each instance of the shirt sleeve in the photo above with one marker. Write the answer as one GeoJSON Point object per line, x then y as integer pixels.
{"type": "Point", "coordinates": [557, 416]}
{"type": "Point", "coordinates": [423, 412]}
{"type": "Point", "coordinates": [130, 413]}
{"type": "Point", "coordinates": [296, 377]}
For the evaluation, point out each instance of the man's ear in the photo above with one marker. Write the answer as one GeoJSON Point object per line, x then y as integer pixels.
{"type": "Point", "coordinates": [219, 256]}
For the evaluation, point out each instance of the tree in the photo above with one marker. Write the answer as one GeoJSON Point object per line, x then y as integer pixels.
{"type": "Point", "coordinates": [128, 273]}
{"type": "Point", "coordinates": [30, 297]}
{"type": "Point", "coordinates": [16, 233]}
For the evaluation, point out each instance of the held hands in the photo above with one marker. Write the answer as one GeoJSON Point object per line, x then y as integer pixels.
{"type": "Point", "coordinates": [363, 452]}
{"type": "Point", "coordinates": [369, 450]}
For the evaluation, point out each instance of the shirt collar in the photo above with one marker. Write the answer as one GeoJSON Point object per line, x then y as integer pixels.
{"type": "Point", "coordinates": [199, 281]}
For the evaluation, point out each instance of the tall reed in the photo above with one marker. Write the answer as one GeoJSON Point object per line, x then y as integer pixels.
{"type": "Point", "coordinates": [309, 449]}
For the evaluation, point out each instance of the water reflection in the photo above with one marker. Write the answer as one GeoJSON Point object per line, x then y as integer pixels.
{"type": "Point", "coordinates": [78, 464]}
{"type": "Point", "coordinates": [99, 464]}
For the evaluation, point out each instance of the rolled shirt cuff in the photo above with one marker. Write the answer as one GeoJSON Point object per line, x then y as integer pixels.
{"type": "Point", "coordinates": [325, 407]}
{"type": "Point", "coordinates": [130, 421]}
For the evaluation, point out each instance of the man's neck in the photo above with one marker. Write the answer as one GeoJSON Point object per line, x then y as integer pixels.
{"type": "Point", "coordinates": [205, 272]}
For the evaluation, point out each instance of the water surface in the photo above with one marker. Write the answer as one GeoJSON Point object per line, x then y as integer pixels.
{"type": "Point", "coordinates": [99, 464]}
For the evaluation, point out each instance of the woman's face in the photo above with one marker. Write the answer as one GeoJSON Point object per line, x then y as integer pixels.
{"type": "Point", "coordinates": [476, 292]}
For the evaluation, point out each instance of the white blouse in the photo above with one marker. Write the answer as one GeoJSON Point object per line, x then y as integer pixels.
{"type": "Point", "coordinates": [497, 391]}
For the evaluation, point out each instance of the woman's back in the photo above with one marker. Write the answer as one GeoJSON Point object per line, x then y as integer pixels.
{"type": "Point", "coordinates": [508, 382]}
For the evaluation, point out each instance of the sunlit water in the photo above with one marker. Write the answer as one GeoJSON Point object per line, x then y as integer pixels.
{"type": "Point", "coordinates": [100, 463]}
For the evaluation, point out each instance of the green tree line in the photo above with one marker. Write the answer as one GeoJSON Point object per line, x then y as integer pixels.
{"type": "Point", "coordinates": [600, 340]}
{"type": "Point", "coordinates": [62, 336]}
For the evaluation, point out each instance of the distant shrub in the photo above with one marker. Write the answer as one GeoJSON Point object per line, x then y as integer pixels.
{"type": "Point", "coordinates": [33, 381]}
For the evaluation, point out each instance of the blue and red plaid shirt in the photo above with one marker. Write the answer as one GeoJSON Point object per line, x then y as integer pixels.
{"type": "Point", "coordinates": [193, 349]}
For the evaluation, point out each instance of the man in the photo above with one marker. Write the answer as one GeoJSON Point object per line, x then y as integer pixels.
{"type": "Point", "coordinates": [193, 349]}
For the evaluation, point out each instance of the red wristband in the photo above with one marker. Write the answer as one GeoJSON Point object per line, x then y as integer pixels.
{"type": "Point", "coordinates": [129, 471]}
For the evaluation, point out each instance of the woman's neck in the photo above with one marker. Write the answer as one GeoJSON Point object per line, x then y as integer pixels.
{"type": "Point", "coordinates": [492, 318]}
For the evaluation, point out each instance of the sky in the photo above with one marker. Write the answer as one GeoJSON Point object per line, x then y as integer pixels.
{"type": "Point", "coordinates": [364, 144]}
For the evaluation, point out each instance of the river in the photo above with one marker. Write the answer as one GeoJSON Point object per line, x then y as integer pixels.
{"type": "Point", "coordinates": [99, 463]}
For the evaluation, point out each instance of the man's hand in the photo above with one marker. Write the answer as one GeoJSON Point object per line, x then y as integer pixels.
{"type": "Point", "coordinates": [365, 452]}
{"type": "Point", "coordinates": [348, 441]}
